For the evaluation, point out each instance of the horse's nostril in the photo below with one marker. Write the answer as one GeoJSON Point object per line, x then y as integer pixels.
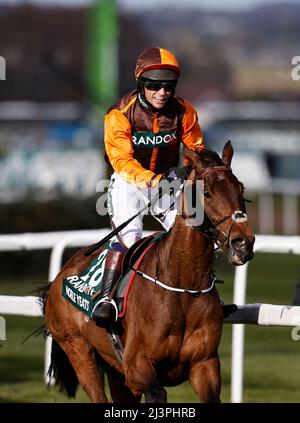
{"type": "Point", "coordinates": [240, 244]}
{"type": "Point", "coordinates": [243, 245]}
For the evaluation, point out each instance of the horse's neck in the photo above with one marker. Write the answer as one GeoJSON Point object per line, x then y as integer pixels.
{"type": "Point", "coordinates": [188, 252]}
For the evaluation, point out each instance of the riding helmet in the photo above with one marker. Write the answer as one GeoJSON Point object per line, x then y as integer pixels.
{"type": "Point", "coordinates": [158, 64]}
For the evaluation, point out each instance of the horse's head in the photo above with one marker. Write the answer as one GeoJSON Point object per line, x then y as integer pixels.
{"type": "Point", "coordinates": [225, 218]}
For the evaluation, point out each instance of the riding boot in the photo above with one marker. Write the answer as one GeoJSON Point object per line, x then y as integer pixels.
{"type": "Point", "coordinates": [105, 311]}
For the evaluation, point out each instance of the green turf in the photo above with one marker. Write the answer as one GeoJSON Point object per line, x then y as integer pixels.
{"type": "Point", "coordinates": [272, 365]}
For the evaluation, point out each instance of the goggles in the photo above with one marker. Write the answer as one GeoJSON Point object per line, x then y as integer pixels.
{"type": "Point", "coordinates": [154, 85]}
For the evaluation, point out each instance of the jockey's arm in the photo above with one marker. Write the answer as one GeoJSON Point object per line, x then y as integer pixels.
{"type": "Point", "coordinates": [191, 132]}
{"type": "Point", "coordinates": [118, 146]}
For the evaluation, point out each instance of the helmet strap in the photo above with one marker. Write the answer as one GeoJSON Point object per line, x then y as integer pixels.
{"type": "Point", "coordinates": [142, 99]}
{"type": "Point", "coordinates": [144, 103]}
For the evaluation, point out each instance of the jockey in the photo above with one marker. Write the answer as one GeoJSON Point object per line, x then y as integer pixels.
{"type": "Point", "coordinates": [143, 133]}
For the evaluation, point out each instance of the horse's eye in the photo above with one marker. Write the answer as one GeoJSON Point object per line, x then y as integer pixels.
{"type": "Point", "coordinates": [206, 192]}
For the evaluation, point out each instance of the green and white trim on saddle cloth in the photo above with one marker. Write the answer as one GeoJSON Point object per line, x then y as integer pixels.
{"type": "Point", "coordinates": [79, 289]}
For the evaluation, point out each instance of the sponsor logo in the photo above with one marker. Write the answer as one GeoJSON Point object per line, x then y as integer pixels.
{"type": "Point", "coordinates": [151, 140]}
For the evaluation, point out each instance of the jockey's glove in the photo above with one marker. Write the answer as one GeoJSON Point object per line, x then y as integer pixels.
{"type": "Point", "coordinates": [172, 174]}
{"type": "Point", "coordinates": [170, 180]}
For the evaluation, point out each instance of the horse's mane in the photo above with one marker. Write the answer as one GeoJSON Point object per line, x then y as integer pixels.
{"type": "Point", "coordinates": [209, 157]}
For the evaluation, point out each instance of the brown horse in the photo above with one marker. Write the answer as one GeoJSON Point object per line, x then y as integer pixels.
{"type": "Point", "coordinates": [168, 336]}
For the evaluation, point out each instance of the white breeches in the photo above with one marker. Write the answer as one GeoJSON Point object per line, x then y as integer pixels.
{"type": "Point", "coordinates": [125, 200]}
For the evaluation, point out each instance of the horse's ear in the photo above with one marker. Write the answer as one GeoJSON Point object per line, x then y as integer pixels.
{"type": "Point", "coordinates": [191, 156]}
{"type": "Point", "coordinates": [227, 153]}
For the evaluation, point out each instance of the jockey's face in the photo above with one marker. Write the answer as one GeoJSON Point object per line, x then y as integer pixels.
{"type": "Point", "coordinates": [157, 99]}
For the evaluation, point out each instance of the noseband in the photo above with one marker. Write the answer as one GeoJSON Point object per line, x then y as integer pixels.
{"type": "Point", "coordinates": [209, 226]}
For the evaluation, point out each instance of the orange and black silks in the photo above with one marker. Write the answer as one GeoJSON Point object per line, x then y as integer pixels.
{"type": "Point", "coordinates": [140, 143]}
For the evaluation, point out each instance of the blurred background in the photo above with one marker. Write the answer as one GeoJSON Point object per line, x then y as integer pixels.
{"type": "Point", "coordinates": [67, 61]}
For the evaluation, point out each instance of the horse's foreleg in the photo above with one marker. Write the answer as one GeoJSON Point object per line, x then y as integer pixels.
{"type": "Point", "coordinates": [141, 379]}
{"type": "Point", "coordinates": [206, 380]}
{"type": "Point", "coordinates": [82, 358]}
{"type": "Point", "coordinates": [119, 392]}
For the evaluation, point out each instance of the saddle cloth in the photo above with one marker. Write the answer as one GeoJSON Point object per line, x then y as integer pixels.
{"type": "Point", "coordinates": [80, 289]}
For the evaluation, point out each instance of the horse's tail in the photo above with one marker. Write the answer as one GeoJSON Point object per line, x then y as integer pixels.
{"type": "Point", "coordinates": [60, 368]}
{"type": "Point", "coordinates": [43, 293]}
{"type": "Point", "coordinates": [62, 371]}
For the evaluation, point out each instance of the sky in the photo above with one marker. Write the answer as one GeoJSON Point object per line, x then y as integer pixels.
{"type": "Point", "coordinates": [231, 5]}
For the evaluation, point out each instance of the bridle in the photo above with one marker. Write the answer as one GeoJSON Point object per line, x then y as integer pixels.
{"type": "Point", "coordinates": [209, 228]}
{"type": "Point", "coordinates": [209, 225]}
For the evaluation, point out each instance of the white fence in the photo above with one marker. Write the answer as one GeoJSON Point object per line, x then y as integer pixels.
{"type": "Point", "coordinates": [261, 314]}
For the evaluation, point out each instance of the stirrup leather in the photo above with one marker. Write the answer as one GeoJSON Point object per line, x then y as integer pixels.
{"type": "Point", "coordinates": [107, 300]}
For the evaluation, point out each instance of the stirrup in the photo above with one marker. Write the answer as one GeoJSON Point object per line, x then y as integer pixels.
{"type": "Point", "coordinates": [107, 300]}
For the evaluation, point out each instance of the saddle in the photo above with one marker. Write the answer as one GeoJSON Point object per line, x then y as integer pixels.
{"type": "Point", "coordinates": [135, 251]}
{"type": "Point", "coordinates": [131, 263]}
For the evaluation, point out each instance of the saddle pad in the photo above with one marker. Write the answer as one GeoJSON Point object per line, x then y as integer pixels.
{"type": "Point", "coordinates": [79, 289]}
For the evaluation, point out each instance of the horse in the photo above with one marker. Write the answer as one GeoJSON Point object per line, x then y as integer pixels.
{"type": "Point", "coordinates": [169, 335]}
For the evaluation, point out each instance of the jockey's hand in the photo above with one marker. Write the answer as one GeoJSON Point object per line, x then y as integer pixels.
{"type": "Point", "coordinates": [169, 181]}
{"type": "Point", "coordinates": [171, 175]}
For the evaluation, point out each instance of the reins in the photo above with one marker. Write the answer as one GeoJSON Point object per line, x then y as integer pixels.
{"type": "Point", "coordinates": [237, 217]}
